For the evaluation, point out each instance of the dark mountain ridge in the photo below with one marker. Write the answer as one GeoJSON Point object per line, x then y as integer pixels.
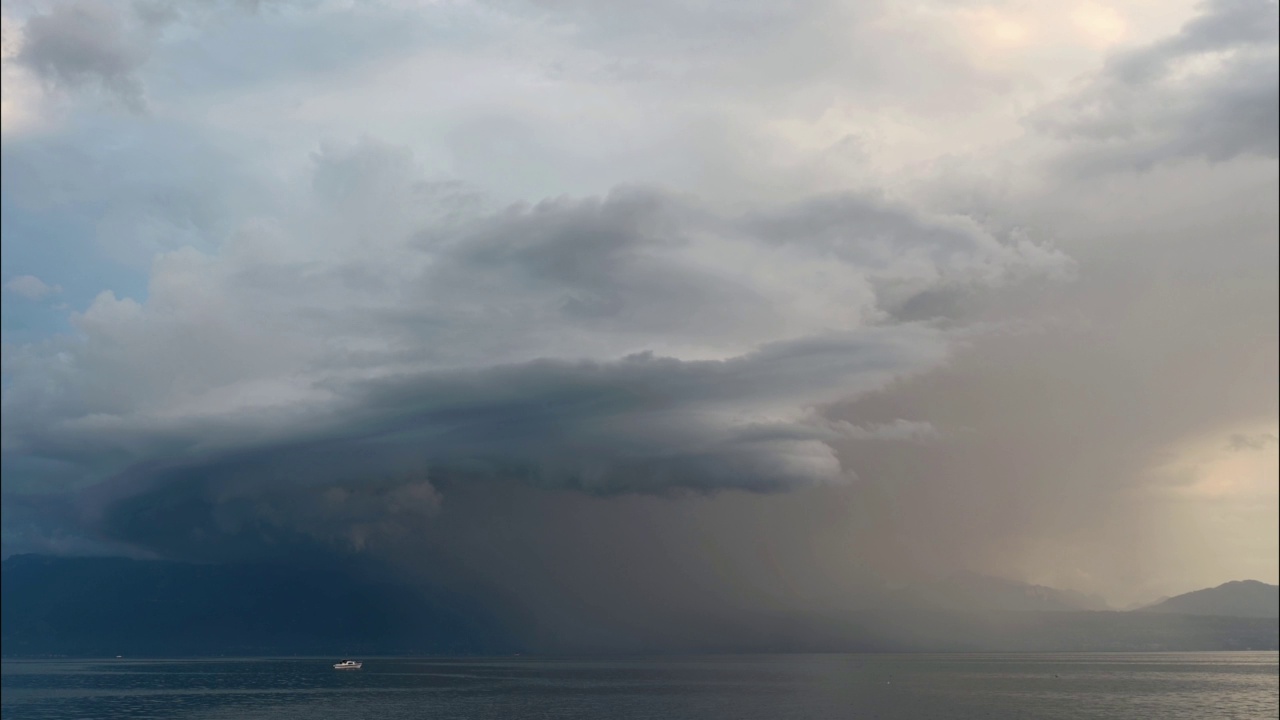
{"type": "Point", "coordinates": [1238, 598]}
{"type": "Point", "coordinates": [95, 607]}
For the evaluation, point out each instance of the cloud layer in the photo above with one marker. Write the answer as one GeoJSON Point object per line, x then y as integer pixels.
{"type": "Point", "coordinates": [1208, 91]}
{"type": "Point", "coordinates": [638, 340]}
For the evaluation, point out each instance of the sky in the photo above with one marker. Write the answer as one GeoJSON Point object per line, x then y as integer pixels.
{"type": "Point", "coordinates": [615, 313]}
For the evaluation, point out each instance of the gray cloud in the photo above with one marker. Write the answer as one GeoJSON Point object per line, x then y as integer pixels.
{"type": "Point", "coordinates": [1222, 25]}
{"type": "Point", "coordinates": [1210, 91]}
{"type": "Point", "coordinates": [87, 43]}
{"type": "Point", "coordinates": [79, 44]}
{"type": "Point", "coordinates": [31, 287]}
{"type": "Point", "coordinates": [1242, 442]}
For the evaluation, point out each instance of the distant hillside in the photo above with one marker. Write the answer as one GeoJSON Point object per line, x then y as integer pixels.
{"type": "Point", "coordinates": [116, 606]}
{"type": "Point", "coordinates": [1097, 631]}
{"type": "Point", "coordinates": [970, 593]}
{"type": "Point", "coordinates": [1144, 604]}
{"type": "Point", "coordinates": [1240, 598]}
{"type": "Point", "coordinates": [94, 607]}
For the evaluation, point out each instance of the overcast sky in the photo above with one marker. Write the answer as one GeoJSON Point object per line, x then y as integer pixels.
{"type": "Point", "coordinates": [647, 308]}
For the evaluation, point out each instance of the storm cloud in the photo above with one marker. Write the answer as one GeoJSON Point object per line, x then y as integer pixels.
{"type": "Point", "coordinates": [646, 319]}
{"type": "Point", "coordinates": [1208, 91]}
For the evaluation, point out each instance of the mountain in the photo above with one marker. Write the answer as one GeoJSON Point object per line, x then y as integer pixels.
{"type": "Point", "coordinates": [117, 606]}
{"type": "Point", "coordinates": [95, 607]}
{"type": "Point", "coordinates": [1239, 598]}
{"type": "Point", "coordinates": [1144, 604]}
{"type": "Point", "coordinates": [1063, 631]}
{"type": "Point", "coordinates": [972, 593]}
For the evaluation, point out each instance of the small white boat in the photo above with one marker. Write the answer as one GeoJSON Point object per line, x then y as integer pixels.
{"type": "Point", "coordinates": [348, 665]}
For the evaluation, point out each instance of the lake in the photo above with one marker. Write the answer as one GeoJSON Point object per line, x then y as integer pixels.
{"type": "Point", "coordinates": [772, 687]}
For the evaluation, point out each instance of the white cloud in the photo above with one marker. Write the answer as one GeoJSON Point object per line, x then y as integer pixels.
{"type": "Point", "coordinates": [31, 287]}
{"type": "Point", "coordinates": [22, 99]}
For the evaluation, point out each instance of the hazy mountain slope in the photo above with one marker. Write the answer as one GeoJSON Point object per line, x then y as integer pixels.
{"type": "Point", "coordinates": [1240, 598]}
{"type": "Point", "coordinates": [970, 593]}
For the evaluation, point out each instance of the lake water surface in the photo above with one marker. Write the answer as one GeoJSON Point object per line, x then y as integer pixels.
{"type": "Point", "coordinates": [773, 687]}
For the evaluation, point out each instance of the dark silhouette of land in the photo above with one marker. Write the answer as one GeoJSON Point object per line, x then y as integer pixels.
{"type": "Point", "coordinates": [117, 606]}
{"type": "Point", "coordinates": [1239, 598]}
{"type": "Point", "coordinates": [90, 607]}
